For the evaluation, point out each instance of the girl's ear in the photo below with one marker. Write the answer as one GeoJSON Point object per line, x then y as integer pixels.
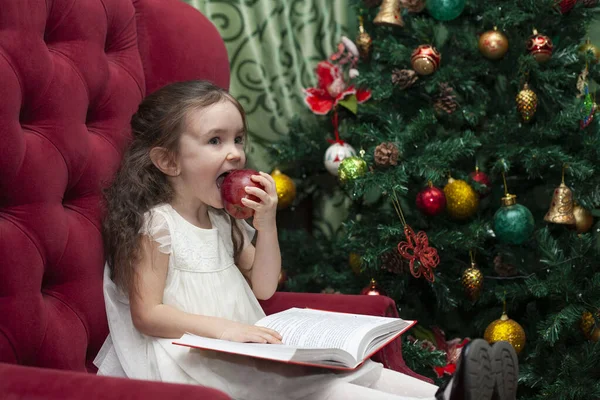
{"type": "Point", "coordinates": [164, 161]}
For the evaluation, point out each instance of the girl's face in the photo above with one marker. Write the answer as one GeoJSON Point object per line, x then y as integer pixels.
{"type": "Point", "coordinates": [211, 145]}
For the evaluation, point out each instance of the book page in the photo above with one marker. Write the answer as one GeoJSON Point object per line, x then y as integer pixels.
{"type": "Point", "coordinates": [306, 328]}
{"type": "Point", "coordinates": [260, 350]}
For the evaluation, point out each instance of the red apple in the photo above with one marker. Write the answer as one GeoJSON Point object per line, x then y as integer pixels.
{"type": "Point", "coordinates": [233, 191]}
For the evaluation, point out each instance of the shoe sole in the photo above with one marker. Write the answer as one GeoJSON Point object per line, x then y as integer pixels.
{"type": "Point", "coordinates": [477, 369]}
{"type": "Point", "coordinates": [505, 367]}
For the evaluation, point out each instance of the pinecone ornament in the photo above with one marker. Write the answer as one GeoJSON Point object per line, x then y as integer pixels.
{"type": "Point", "coordinates": [527, 103]}
{"type": "Point", "coordinates": [472, 282]}
{"type": "Point", "coordinates": [404, 78]}
{"type": "Point", "coordinates": [587, 323]}
{"type": "Point", "coordinates": [386, 154]}
{"type": "Point", "coordinates": [503, 269]}
{"type": "Point", "coordinates": [414, 6]}
{"type": "Point", "coordinates": [445, 101]}
{"type": "Point", "coordinates": [393, 262]}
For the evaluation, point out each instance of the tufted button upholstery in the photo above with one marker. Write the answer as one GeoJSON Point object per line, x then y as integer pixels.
{"type": "Point", "coordinates": [72, 73]}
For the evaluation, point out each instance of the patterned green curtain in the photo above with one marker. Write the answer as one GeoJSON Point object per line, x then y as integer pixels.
{"type": "Point", "coordinates": [274, 46]}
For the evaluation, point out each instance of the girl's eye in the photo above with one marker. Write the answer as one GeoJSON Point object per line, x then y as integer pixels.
{"type": "Point", "coordinates": [239, 140]}
{"type": "Point", "coordinates": [214, 140]}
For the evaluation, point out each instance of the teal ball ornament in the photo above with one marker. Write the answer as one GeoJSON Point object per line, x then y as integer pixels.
{"type": "Point", "coordinates": [513, 223]}
{"type": "Point", "coordinates": [445, 10]}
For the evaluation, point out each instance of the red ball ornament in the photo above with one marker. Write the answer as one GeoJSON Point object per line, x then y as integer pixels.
{"type": "Point", "coordinates": [482, 178]}
{"type": "Point", "coordinates": [372, 290]}
{"type": "Point", "coordinates": [431, 200]}
{"type": "Point", "coordinates": [425, 59]}
{"type": "Point", "coordinates": [565, 5]}
{"type": "Point", "coordinates": [540, 47]}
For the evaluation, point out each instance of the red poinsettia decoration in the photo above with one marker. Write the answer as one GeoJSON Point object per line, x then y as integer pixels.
{"type": "Point", "coordinates": [453, 348]}
{"type": "Point", "coordinates": [331, 89]}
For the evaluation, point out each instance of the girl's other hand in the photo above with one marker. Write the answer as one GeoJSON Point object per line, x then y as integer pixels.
{"type": "Point", "coordinates": [264, 212]}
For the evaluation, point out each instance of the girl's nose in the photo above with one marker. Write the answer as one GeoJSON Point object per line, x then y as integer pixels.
{"type": "Point", "coordinates": [234, 153]}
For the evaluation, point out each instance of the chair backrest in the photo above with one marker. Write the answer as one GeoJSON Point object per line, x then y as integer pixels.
{"type": "Point", "coordinates": [72, 72]}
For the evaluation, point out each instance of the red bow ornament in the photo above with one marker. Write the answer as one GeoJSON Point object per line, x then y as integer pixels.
{"type": "Point", "coordinates": [422, 258]}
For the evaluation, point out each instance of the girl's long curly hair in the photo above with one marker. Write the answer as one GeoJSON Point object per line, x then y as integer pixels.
{"type": "Point", "coordinates": [139, 185]}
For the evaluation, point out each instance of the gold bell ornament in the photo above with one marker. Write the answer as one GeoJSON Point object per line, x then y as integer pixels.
{"type": "Point", "coordinates": [286, 189]}
{"type": "Point", "coordinates": [364, 43]}
{"type": "Point", "coordinates": [506, 329]}
{"type": "Point", "coordinates": [389, 14]}
{"type": "Point", "coordinates": [561, 208]}
{"type": "Point", "coordinates": [472, 280]}
{"type": "Point", "coordinates": [526, 103]}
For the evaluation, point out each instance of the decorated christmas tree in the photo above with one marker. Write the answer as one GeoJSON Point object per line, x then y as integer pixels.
{"type": "Point", "coordinates": [460, 140]}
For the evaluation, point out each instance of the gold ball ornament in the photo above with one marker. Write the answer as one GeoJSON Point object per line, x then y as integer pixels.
{"type": "Point", "coordinates": [425, 59]}
{"type": "Point", "coordinates": [355, 261]}
{"type": "Point", "coordinates": [461, 200]}
{"type": "Point", "coordinates": [583, 219]}
{"type": "Point", "coordinates": [472, 281]}
{"type": "Point", "coordinates": [588, 46]}
{"type": "Point", "coordinates": [286, 189]}
{"type": "Point", "coordinates": [351, 168]}
{"type": "Point", "coordinates": [508, 330]}
{"type": "Point", "coordinates": [493, 44]}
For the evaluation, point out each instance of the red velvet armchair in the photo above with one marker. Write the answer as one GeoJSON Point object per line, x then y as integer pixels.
{"type": "Point", "coordinates": [72, 73]}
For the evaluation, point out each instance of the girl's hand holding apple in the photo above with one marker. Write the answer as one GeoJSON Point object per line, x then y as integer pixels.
{"type": "Point", "coordinates": [246, 192]}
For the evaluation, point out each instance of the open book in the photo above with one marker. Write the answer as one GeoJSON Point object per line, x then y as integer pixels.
{"type": "Point", "coordinates": [314, 337]}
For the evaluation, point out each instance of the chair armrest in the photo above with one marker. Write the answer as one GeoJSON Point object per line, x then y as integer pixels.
{"type": "Point", "coordinates": [19, 382]}
{"type": "Point", "coordinates": [390, 356]}
{"type": "Point", "coordinates": [382, 306]}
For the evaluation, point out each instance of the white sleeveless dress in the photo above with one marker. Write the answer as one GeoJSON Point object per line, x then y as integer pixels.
{"type": "Point", "coordinates": [203, 279]}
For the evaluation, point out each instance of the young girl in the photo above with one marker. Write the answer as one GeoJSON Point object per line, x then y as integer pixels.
{"type": "Point", "coordinates": [177, 263]}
